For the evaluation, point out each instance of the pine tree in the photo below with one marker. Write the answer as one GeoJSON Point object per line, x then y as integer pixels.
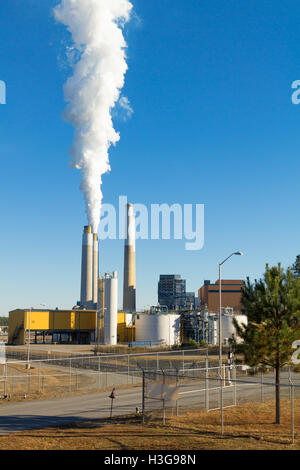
{"type": "Point", "coordinates": [296, 267]}
{"type": "Point", "coordinates": [272, 305]}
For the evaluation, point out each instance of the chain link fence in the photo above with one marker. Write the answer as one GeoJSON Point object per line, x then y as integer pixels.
{"type": "Point", "coordinates": [214, 389]}
{"type": "Point", "coordinates": [173, 382]}
{"type": "Point", "coordinates": [21, 377]}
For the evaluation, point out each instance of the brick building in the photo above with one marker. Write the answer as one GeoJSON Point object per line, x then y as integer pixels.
{"type": "Point", "coordinates": [231, 295]}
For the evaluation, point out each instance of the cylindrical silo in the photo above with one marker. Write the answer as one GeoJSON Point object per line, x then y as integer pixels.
{"type": "Point", "coordinates": [158, 329]}
{"type": "Point", "coordinates": [212, 330]}
{"type": "Point", "coordinates": [110, 308]}
{"type": "Point", "coordinates": [100, 310]}
{"type": "Point", "coordinates": [95, 268]}
{"type": "Point", "coordinates": [228, 329]}
{"type": "Point", "coordinates": [86, 295]}
{"type": "Point", "coordinates": [129, 286]}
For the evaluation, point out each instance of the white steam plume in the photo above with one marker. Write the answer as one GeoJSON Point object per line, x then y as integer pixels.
{"type": "Point", "coordinates": [94, 89]}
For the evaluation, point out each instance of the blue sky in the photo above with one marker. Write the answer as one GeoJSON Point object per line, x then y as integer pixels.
{"type": "Point", "coordinates": [213, 123]}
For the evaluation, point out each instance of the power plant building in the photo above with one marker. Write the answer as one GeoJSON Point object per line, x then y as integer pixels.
{"type": "Point", "coordinates": [231, 295]}
{"type": "Point", "coordinates": [172, 291]}
{"type": "Point", "coordinates": [62, 326]}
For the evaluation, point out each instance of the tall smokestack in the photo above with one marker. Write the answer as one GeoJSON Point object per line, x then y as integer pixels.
{"type": "Point", "coordinates": [129, 287]}
{"type": "Point", "coordinates": [95, 268]}
{"type": "Point", "coordinates": [86, 296]}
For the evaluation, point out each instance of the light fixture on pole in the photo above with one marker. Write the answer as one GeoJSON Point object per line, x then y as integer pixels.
{"type": "Point", "coordinates": [238, 253]}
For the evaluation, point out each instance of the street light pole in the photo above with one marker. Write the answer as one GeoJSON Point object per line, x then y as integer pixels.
{"type": "Point", "coordinates": [220, 317]}
{"type": "Point", "coordinates": [239, 253]}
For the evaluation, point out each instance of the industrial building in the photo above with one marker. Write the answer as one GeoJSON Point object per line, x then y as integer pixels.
{"type": "Point", "coordinates": [172, 291]}
{"type": "Point", "coordinates": [96, 318]}
{"type": "Point", "coordinates": [190, 303]}
{"type": "Point", "coordinates": [62, 326]}
{"type": "Point", "coordinates": [231, 295]}
{"type": "Point", "coordinates": [204, 326]}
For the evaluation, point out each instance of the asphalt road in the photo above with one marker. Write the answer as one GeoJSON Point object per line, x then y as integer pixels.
{"type": "Point", "coordinates": [38, 414]}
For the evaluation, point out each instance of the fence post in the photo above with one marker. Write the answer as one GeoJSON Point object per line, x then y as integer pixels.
{"type": "Point", "coordinates": [39, 377]}
{"type": "Point", "coordinates": [28, 377]}
{"type": "Point", "coordinates": [221, 398]}
{"type": "Point", "coordinates": [292, 409]}
{"type": "Point", "coordinates": [99, 368]}
{"type": "Point", "coordinates": [143, 397]}
{"type": "Point", "coordinates": [234, 384]}
{"type": "Point", "coordinates": [176, 387]}
{"type": "Point", "coordinates": [164, 405]}
{"type": "Point", "coordinates": [262, 385]}
{"type": "Point", "coordinates": [157, 361]}
{"type": "Point", "coordinates": [70, 375]}
{"type": "Point", "coordinates": [5, 377]}
{"type": "Point", "coordinates": [183, 361]}
{"type": "Point", "coordinates": [206, 385]}
{"type": "Point", "coordinates": [128, 368]}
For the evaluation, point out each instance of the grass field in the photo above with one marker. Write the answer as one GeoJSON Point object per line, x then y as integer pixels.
{"type": "Point", "coordinates": [246, 427]}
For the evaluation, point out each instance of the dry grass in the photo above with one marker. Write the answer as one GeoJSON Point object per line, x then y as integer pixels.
{"type": "Point", "coordinates": [52, 383]}
{"type": "Point", "coordinates": [246, 427]}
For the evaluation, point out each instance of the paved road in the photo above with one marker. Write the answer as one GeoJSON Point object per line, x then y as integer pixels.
{"type": "Point", "coordinates": [54, 412]}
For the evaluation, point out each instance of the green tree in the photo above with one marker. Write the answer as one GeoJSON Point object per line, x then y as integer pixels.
{"type": "Point", "coordinates": [296, 267]}
{"type": "Point", "coordinates": [272, 306]}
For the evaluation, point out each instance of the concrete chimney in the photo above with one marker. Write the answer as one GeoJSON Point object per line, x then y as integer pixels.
{"type": "Point", "coordinates": [129, 286]}
{"type": "Point", "coordinates": [95, 268]}
{"type": "Point", "coordinates": [86, 296]}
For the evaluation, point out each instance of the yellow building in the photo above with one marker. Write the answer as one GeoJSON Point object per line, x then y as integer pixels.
{"type": "Point", "coordinates": [67, 326]}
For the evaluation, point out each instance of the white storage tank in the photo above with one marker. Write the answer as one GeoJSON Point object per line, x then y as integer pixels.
{"type": "Point", "coordinates": [213, 332]}
{"type": "Point", "coordinates": [110, 308]}
{"type": "Point", "coordinates": [228, 328]}
{"type": "Point", "coordinates": [163, 329]}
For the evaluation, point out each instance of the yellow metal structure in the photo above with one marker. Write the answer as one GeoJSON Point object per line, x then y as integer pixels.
{"type": "Point", "coordinates": [50, 321]}
{"type": "Point", "coordinates": [61, 321]}
{"type": "Point", "coordinates": [126, 330]}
